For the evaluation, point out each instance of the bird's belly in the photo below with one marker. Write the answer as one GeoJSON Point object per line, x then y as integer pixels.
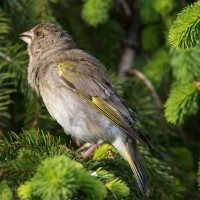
{"type": "Point", "coordinates": [77, 117]}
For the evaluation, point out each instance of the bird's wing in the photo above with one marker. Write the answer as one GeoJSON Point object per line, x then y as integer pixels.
{"type": "Point", "coordinates": [91, 83]}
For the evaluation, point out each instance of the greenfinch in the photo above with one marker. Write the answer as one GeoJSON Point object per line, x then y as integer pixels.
{"type": "Point", "coordinates": [77, 92]}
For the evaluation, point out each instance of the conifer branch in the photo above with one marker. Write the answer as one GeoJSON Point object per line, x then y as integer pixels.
{"type": "Point", "coordinates": [149, 85]}
{"type": "Point", "coordinates": [7, 58]}
{"type": "Point", "coordinates": [185, 31]}
{"type": "Point", "coordinates": [182, 102]}
{"type": "Point", "coordinates": [5, 173]}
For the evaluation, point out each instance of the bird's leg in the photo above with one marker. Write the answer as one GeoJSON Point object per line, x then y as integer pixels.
{"type": "Point", "coordinates": [91, 149]}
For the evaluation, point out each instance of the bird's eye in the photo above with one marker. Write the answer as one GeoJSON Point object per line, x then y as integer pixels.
{"type": "Point", "coordinates": [38, 33]}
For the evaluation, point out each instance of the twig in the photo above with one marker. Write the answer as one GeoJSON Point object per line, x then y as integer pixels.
{"type": "Point", "coordinates": [10, 60]}
{"type": "Point", "coordinates": [7, 58]}
{"type": "Point", "coordinates": [126, 7]}
{"type": "Point", "coordinates": [149, 85]}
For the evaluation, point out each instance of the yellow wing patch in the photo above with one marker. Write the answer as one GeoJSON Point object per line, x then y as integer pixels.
{"type": "Point", "coordinates": [68, 73]}
{"type": "Point", "coordinates": [110, 113]}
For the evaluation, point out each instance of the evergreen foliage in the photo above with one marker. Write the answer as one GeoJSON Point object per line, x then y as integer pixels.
{"type": "Point", "coordinates": [43, 169]}
{"type": "Point", "coordinates": [5, 191]}
{"type": "Point", "coordinates": [5, 95]}
{"type": "Point", "coordinates": [147, 11]}
{"type": "Point", "coordinates": [158, 65]}
{"type": "Point", "coordinates": [183, 98]}
{"type": "Point", "coordinates": [38, 165]}
{"type": "Point", "coordinates": [59, 178]}
{"type": "Point", "coordinates": [185, 64]}
{"type": "Point", "coordinates": [182, 101]}
{"type": "Point", "coordinates": [185, 31]}
{"type": "Point", "coordinates": [96, 12]}
{"type": "Point", "coordinates": [164, 7]}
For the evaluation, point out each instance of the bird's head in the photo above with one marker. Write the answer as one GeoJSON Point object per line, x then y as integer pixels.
{"type": "Point", "coordinates": [46, 37]}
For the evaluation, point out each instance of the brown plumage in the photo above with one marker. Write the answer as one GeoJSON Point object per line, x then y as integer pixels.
{"type": "Point", "coordinates": [77, 92]}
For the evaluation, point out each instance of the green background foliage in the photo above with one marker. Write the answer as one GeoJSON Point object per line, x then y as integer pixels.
{"type": "Point", "coordinates": [161, 83]}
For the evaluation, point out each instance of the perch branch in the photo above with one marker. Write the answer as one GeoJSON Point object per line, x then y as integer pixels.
{"type": "Point", "coordinates": [149, 85]}
{"type": "Point", "coordinates": [7, 58]}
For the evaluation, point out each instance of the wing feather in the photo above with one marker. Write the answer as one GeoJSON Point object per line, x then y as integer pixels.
{"type": "Point", "coordinates": [98, 93]}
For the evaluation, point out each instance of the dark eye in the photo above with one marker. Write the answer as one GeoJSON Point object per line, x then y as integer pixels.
{"type": "Point", "coordinates": [38, 33]}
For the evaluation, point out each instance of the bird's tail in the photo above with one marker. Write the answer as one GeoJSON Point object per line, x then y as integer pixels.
{"type": "Point", "coordinates": [133, 158]}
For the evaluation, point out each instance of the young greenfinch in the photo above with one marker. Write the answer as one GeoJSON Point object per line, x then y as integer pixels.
{"type": "Point", "coordinates": [77, 92]}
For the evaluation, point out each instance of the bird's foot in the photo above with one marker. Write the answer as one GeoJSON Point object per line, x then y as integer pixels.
{"type": "Point", "coordinates": [91, 149]}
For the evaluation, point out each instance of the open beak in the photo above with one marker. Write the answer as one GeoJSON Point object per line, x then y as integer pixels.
{"type": "Point", "coordinates": [27, 36]}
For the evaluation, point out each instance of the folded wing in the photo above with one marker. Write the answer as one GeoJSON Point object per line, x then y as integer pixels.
{"type": "Point", "coordinates": [90, 81]}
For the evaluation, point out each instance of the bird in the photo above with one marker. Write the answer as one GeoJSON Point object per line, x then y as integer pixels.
{"type": "Point", "coordinates": [79, 95]}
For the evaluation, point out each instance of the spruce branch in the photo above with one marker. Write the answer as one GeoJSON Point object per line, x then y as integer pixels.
{"type": "Point", "coordinates": [5, 191]}
{"type": "Point", "coordinates": [7, 58]}
{"type": "Point", "coordinates": [103, 152]}
{"type": "Point", "coordinates": [58, 178]}
{"type": "Point", "coordinates": [118, 188]}
{"type": "Point", "coordinates": [96, 12]}
{"type": "Point", "coordinates": [185, 64]}
{"type": "Point", "coordinates": [181, 102]}
{"type": "Point", "coordinates": [164, 7]}
{"type": "Point", "coordinates": [6, 82]}
{"type": "Point", "coordinates": [157, 69]}
{"type": "Point", "coordinates": [5, 173]}
{"type": "Point", "coordinates": [147, 11]}
{"type": "Point", "coordinates": [186, 29]}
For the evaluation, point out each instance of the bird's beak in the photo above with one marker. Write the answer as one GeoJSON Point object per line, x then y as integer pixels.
{"type": "Point", "coordinates": [27, 36]}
